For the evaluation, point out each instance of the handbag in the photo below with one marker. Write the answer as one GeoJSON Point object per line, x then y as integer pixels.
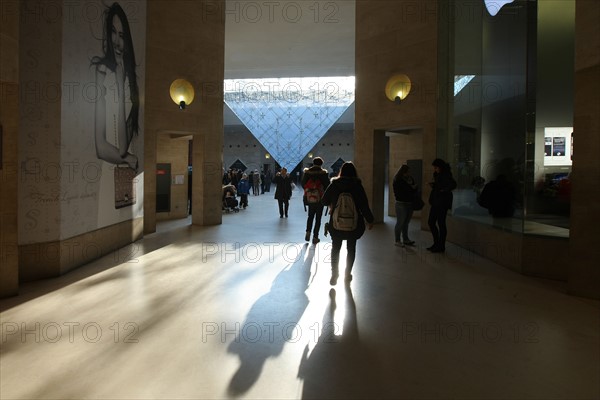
{"type": "Point", "coordinates": [418, 203]}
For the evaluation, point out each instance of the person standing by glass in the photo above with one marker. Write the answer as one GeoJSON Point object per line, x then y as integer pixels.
{"type": "Point", "coordinates": [440, 200]}
{"type": "Point", "coordinates": [405, 191]}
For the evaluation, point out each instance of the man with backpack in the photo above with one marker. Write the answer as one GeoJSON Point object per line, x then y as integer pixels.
{"type": "Point", "coordinates": [314, 181]}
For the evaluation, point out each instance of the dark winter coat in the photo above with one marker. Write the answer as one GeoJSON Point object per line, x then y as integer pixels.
{"type": "Point", "coordinates": [441, 191]}
{"type": "Point", "coordinates": [354, 187]}
{"type": "Point", "coordinates": [244, 186]}
{"type": "Point", "coordinates": [284, 187]}
{"type": "Point", "coordinates": [315, 172]}
{"type": "Point", "coordinates": [404, 188]}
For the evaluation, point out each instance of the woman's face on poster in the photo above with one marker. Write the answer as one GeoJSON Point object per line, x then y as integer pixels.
{"type": "Point", "coordinates": [117, 37]}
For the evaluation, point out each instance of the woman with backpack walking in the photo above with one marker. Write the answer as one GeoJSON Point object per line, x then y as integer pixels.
{"type": "Point", "coordinates": [349, 206]}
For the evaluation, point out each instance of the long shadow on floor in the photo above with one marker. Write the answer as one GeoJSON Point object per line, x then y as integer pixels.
{"type": "Point", "coordinates": [271, 322]}
{"type": "Point", "coordinates": [340, 365]}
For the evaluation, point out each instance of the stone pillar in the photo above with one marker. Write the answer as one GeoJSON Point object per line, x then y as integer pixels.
{"type": "Point", "coordinates": [584, 273]}
{"type": "Point", "coordinates": [149, 168]}
{"type": "Point", "coordinates": [9, 132]}
{"type": "Point", "coordinates": [185, 39]}
{"type": "Point", "coordinates": [40, 139]}
{"type": "Point", "coordinates": [393, 37]}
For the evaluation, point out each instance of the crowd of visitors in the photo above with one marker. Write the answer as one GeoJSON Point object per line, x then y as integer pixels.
{"type": "Point", "coordinates": [237, 182]}
{"type": "Point", "coordinates": [343, 197]}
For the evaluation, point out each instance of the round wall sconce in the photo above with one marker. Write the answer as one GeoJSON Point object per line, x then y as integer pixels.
{"type": "Point", "coordinates": [397, 88]}
{"type": "Point", "coordinates": [310, 155]}
{"type": "Point", "coordinates": [267, 156]}
{"type": "Point", "coordinates": [182, 93]}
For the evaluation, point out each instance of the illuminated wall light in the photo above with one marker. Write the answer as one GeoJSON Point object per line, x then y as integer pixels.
{"type": "Point", "coordinates": [397, 88]}
{"type": "Point", "coordinates": [182, 93]}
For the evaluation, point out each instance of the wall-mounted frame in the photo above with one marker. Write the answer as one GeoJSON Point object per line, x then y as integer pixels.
{"type": "Point", "coordinates": [557, 146]}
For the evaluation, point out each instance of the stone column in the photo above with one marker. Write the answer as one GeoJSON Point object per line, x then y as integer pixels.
{"type": "Point", "coordinates": [584, 273]}
{"type": "Point", "coordinates": [9, 132]}
{"type": "Point", "coordinates": [393, 37]}
{"type": "Point", "coordinates": [186, 40]}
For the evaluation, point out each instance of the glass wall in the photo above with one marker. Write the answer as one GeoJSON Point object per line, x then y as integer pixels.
{"type": "Point", "coordinates": [506, 113]}
{"type": "Point", "coordinates": [550, 146]}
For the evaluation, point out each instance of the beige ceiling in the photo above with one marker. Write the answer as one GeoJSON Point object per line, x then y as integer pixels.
{"type": "Point", "coordinates": [303, 38]}
{"type": "Point", "coordinates": [272, 39]}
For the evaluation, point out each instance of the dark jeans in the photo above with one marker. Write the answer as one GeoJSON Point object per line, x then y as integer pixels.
{"type": "Point", "coordinates": [244, 200]}
{"type": "Point", "coordinates": [314, 211]}
{"type": "Point", "coordinates": [284, 205]}
{"type": "Point", "coordinates": [335, 254]}
{"type": "Point", "coordinates": [437, 224]}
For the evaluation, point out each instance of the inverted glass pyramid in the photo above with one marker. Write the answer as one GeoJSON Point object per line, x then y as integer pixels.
{"type": "Point", "coordinates": [460, 81]}
{"type": "Point", "coordinates": [289, 116]}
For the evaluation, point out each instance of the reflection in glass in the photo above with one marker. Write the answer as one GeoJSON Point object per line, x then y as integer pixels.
{"type": "Point", "coordinates": [511, 113]}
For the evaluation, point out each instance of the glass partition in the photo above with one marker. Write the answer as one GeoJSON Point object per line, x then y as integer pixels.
{"type": "Point", "coordinates": [504, 120]}
{"type": "Point", "coordinates": [550, 146]}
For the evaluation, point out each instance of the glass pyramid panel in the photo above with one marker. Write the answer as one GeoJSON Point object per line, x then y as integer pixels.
{"type": "Point", "coordinates": [460, 81]}
{"type": "Point", "coordinates": [289, 116]}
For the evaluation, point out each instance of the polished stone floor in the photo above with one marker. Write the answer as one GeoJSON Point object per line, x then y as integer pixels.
{"type": "Point", "coordinates": [245, 310]}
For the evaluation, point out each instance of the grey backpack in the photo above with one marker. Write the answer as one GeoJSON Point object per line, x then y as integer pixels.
{"type": "Point", "coordinates": [345, 215]}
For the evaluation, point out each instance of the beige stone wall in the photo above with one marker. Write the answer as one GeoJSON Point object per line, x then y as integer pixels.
{"type": "Point", "coordinates": [40, 73]}
{"type": "Point", "coordinates": [393, 37]}
{"type": "Point", "coordinates": [51, 259]}
{"type": "Point", "coordinates": [584, 273]}
{"type": "Point", "coordinates": [173, 150]}
{"type": "Point", "coordinates": [40, 43]}
{"type": "Point", "coordinates": [240, 144]}
{"type": "Point", "coordinates": [34, 201]}
{"type": "Point", "coordinates": [9, 125]}
{"type": "Point", "coordinates": [502, 247]}
{"type": "Point", "coordinates": [185, 39]}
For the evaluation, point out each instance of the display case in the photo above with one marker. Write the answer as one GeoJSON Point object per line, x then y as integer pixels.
{"type": "Point", "coordinates": [506, 117]}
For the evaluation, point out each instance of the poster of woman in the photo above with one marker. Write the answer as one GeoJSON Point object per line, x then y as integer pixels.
{"type": "Point", "coordinates": [116, 112]}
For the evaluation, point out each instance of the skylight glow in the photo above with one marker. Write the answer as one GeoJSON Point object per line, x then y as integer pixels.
{"type": "Point", "coordinates": [288, 116]}
{"type": "Point", "coordinates": [494, 6]}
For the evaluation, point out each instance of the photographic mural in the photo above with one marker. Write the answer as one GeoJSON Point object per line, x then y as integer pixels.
{"type": "Point", "coordinates": [117, 108]}
{"type": "Point", "coordinates": [81, 157]}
